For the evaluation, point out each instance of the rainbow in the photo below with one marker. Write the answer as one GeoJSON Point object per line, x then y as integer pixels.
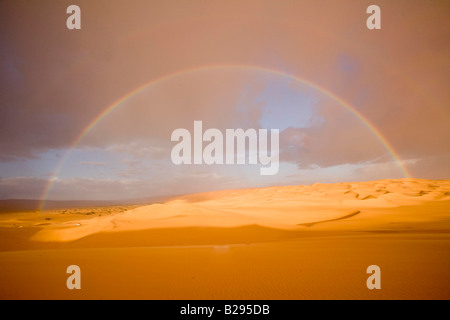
{"type": "Point", "coordinates": [156, 81]}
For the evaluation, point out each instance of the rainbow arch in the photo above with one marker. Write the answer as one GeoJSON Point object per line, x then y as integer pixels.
{"type": "Point", "coordinates": [156, 81]}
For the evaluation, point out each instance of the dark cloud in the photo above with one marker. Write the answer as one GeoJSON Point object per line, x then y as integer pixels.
{"type": "Point", "coordinates": [54, 82]}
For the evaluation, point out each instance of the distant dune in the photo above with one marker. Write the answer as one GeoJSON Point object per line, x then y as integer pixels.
{"type": "Point", "coordinates": [20, 205]}
{"type": "Point", "coordinates": [290, 242]}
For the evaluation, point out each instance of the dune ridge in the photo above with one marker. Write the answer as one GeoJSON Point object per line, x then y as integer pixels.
{"type": "Point", "coordinates": [310, 224]}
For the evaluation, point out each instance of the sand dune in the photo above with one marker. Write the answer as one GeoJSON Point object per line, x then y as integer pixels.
{"type": "Point", "coordinates": [284, 208]}
{"type": "Point", "coordinates": [289, 242]}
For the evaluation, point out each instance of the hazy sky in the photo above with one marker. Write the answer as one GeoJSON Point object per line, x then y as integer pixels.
{"type": "Point", "coordinates": [55, 81]}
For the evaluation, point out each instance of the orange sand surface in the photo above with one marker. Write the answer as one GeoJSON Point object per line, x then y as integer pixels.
{"type": "Point", "coordinates": [292, 242]}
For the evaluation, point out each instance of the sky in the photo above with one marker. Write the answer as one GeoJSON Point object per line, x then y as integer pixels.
{"type": "Point", "coordinates": [351, 104]}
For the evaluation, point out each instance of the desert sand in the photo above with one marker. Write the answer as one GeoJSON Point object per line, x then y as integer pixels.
{"type": "Point", "coordinates": [287, 242]}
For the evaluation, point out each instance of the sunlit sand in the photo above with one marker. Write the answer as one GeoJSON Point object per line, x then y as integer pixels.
{"type": "Point", "coordinates": [291, 242]}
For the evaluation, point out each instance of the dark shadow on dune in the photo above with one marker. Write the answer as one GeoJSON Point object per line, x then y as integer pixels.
{"type": "Point", "coordinates": [189, 236]}
{"type": "Point", "coordinates": [310, 224]}
{"type": "Point", "coordinates": [162, 237]}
